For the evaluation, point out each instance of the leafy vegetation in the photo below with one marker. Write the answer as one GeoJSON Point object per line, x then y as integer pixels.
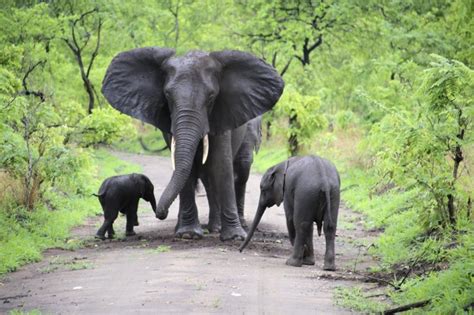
{"type": "Point", "coordinates": [384, 89]}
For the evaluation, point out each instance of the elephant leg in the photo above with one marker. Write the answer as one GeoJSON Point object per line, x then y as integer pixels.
{"type": "Point", "coordinates": [219, 168]}
{"type": "Point", "coordinates": [296, 259]}
{"type": "Point", "coordinates": [131, 220]}
{"type": "Point", "coordinates": [330, 234]}
{"type": "Point", "coordinates": [291, 230]}
{"type": "Point", "coordinates": [188, 225]}
{"type": "Point", "coordinates": [214, 223]}
{"type": "Point", "coordinates": [242, 164]}
{"type": "Point", "coordinates": [109, 218]}
{"type": "Point", "coordinates": [289, 222]}
{"type": "Point", "coordinates": [110, 231]}
{"type": "Point", "coordinates": [308, 255]}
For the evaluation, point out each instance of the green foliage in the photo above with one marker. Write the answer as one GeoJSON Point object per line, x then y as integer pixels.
{"type": "Point", "coordinates": [345, 118]}
{"type": "Point", "coordinates": [423, 147]}
{"type": "Point", "coordinates": [304, 114]}
{"type": "Point", "coordinates": [104, 126]}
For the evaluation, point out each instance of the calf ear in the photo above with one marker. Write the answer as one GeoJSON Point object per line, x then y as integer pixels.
{"type": "Point", "coordinates": [268, 178]}
{"type": "Point", "coordinates": [134, 83]}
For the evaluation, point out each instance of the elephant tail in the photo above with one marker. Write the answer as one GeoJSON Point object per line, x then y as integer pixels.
{"type": "Point", "coordinates": [99, 195]}
{"type": "Point", "coordinates": [327, 215]}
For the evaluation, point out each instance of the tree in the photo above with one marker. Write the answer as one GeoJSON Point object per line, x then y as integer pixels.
{"type": "Point", "coordinates": [81, 32]}
{"type": "Point", "coordinates": [287, 30]}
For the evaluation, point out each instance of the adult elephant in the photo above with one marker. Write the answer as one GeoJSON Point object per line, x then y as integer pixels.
{"type": "Point", "coordinates": [242, 161]}
{"type": "Point", "coordinates": [198, 97]}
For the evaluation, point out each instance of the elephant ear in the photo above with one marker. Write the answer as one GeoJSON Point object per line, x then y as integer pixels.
{"type": "Point", "coordinates": [134, 83]}
{"type": "Point", "coordinates": [248, 88]}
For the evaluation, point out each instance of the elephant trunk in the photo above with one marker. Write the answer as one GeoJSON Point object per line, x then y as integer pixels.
{"type": "Point", "coordinates": [256, 221]}
{"type": "Point", "coordinates": [152, 202]}
{"type": "Point", "coordinates": [187, 139]}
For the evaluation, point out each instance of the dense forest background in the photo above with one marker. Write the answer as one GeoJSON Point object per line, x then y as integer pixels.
{"type": "Point", "coordinates": [383, 88]}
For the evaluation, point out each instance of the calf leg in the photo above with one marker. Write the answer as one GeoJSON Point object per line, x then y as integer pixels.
{"type": "Point", "coordinates": [109, 218]}
{"type": "Point", "coordinates": [308, 256]}
{"type": "Point", "coordinates": [303, 229]}
{"type": "Point", "coordinates": [132, 219]}
{"type": "Point", "coordinates": [110, 231]}
{"type": "Point", "coordinates": [330, 232]}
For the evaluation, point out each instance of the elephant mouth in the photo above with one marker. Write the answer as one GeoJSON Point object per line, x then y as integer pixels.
{"type": "Point", "coordinates": [205, 150]}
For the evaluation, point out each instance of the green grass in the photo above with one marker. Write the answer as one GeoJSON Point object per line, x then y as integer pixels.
{"type": "Point", "coordinates": [109, 165]}
{"type": "Point", "coordinates": [267, 156]}
{"type": "Point", "coordinates": [25, 234]}
{"type": "Point", "coordinates": [354, 298]}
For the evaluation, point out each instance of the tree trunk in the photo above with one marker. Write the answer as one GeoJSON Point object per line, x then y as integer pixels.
{"type": "Point", "coordinates": [293, 140]}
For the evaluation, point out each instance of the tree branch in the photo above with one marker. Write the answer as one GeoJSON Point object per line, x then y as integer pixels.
{"type": "Point", "coordinates": [406, 307]}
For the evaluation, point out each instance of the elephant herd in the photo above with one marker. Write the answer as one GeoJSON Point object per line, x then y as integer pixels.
{"type": "Point", "coordinates": [209, 107]}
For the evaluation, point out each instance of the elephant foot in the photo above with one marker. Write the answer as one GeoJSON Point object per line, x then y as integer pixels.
{"type": "Point", "coordinates": [100, 237]}
{"type": "Point", "coordinates": [294, 262]}
{"type": "Point", "coordinates": [329, 266]}
{"type": "Point", "coordinates": [213, 227]}
{"type": "Point", "coordinates": [110, 236]}
{"type": "Point", "coordinates": [308, 260]}
{"type": "Point", "coordinates": [233, 233]}
{"type": "Point", "coordinates": [130, 233]}
{"type": "Point", "coordinates": [189, 232]}
{"type": "Point", "coordinates": [243, 222]}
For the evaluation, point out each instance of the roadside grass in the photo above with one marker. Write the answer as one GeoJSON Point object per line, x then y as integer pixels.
{"type": "Point", "coordinates": [354, 299]}
{"type": "Point", "coordinates": [25, 234]}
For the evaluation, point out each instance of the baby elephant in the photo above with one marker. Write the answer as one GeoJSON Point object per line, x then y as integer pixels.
{"type": "Point", "coordinates": [309, 189]}
{"type": "Point", "coordinates": [121, 193]}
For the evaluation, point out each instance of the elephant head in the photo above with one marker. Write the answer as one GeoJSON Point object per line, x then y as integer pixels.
{"type": "Point", "coordinates": [189, 97]}
{"type": "Point", "coordinates": [271, 193]}
{"type": "Point", "coordinates": [146, 189]}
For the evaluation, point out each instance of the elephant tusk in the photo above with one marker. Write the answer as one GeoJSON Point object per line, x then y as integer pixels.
{"type": "Point", "coordinates": [205, 148]}
{"type": "Point", "coordinates": [173, 148]}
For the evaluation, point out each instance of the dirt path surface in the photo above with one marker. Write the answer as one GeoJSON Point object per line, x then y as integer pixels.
{"type": "Point", "coordinates": [155, 273]}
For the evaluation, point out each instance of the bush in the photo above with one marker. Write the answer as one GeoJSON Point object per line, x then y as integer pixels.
{"type": "Point", "coordinates": [104, 126]}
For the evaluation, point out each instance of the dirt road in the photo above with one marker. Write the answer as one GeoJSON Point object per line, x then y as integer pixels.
{"type": "Point", "coordinates": [154, 273]}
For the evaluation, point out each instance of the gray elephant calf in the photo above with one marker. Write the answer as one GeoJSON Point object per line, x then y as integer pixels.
{"type": "Point", "coordinates": [122, 193]}
{"type": "Point", "coordinates": [309, 187]}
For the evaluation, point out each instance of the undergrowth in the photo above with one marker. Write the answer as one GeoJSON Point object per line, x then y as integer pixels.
{"type": "Point", "coordinates": [424, 264]}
